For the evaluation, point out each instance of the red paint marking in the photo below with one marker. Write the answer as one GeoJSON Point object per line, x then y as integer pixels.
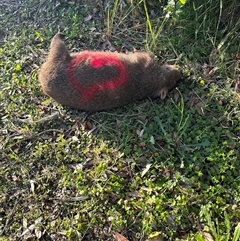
{"type": "Point", "coordinates": [97, 60]}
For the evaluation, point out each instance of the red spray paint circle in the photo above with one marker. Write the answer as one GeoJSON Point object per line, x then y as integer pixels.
{"type": "Point", "coordinates": [97, 60]}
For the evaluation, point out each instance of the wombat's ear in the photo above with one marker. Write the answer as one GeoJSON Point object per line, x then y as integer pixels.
{"type": "Point", "coordinates": [163, 93]}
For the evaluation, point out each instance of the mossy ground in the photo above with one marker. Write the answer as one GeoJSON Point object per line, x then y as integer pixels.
{"type": "Point", "coordinates": [151, 170]}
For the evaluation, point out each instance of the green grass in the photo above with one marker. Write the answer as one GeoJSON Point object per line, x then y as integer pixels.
{"type": "Point", "coordinates": [151, 170]}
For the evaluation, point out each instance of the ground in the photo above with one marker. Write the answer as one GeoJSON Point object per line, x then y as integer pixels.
{"type": "Point", "coordinates": [151, 170]}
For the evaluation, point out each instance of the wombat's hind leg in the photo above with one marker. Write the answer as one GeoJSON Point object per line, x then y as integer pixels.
{"type": "Point", "coordinates": [58, 49]}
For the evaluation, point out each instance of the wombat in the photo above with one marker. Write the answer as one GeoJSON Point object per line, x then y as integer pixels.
{"type": "Point", "coordinates": [95, 81]}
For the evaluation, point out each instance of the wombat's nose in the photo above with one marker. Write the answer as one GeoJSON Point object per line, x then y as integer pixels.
{"type": "Point", "coordinates": [176, 67]}
{"type": "Point", "coordinates": [179, 70]}
{"type": "Point", "coordinates": [181, 73]}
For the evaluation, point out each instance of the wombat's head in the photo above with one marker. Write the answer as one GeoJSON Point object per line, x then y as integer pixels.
{"type": "Point", "coordinates": [171, 74]}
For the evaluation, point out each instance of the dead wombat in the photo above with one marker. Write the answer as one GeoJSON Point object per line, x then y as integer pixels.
{"type": "Point", "coordinates": [94, 81]}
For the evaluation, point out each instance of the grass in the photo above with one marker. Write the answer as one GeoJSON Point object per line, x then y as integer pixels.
{"type": "Point", "coordinates": [151, 170]}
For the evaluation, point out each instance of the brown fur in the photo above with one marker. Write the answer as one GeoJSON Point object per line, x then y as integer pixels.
{"type": "Point", "coordinates": [145, 78]}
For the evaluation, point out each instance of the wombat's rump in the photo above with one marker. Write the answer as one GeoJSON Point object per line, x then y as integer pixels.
{"type": "Point", "coordinates": [94, 81]}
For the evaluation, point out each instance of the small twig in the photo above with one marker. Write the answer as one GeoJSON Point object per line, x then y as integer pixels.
{"type": "Point", "coordinates": [71, 199]}
{"type": "Point", "coordinates": [40, 121]}
{"type": "Point", "coordinates": [10, 216]}
{"type": "Point", "coordinates": [49, 130]}
{"type": "Point", "coordinates": [12, 4]}
{"type": "Point", "coordinates": [38, 8]}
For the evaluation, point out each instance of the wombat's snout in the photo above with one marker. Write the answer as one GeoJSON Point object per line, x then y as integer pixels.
{"type": "Point", "coordinates": [173, 72]}
{"type": "Point", "coordinates": [179, 70]}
